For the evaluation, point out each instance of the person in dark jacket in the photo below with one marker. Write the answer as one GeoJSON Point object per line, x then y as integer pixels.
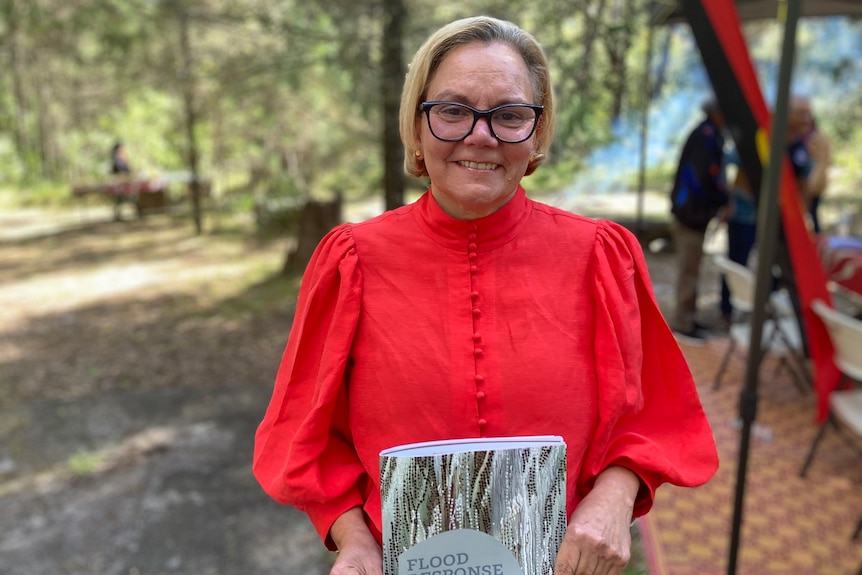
{"type": "Point", "coordinates": [699, 192]}
{"type": "Point", "coordinates": [119, 161]}
{"type": "Point", "coordinates": [120, 170]}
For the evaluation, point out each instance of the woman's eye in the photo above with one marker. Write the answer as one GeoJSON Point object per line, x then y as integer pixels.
{"type": "Point", "coordinates": [454, 111]}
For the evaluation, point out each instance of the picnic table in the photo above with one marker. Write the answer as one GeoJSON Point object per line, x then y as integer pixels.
{"type": "Point", "coordinates": [147, 194]}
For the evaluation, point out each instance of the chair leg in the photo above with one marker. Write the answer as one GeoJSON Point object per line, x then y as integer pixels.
{"type": "Point", "coordinates": [799, 379]}
{"type": "Point", "coordinates": [800, 366]}
{"type": "Point", "coordinates": [817, 438]}
{"type": "Point", "coordinates": [802, 383]}
{"type": "Point", "coordinates": [797, 372]}
{"type": "Point", "coordinates": [721, 368]}
{"type": "Point", "coordinates": [781, 363]}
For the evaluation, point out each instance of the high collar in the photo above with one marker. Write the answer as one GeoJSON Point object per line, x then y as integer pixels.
{"type": "Point", "coordinates": [487, 233]}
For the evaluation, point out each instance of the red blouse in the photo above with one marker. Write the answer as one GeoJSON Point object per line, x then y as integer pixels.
{"type": "Point", "coordinates": [414, 326]}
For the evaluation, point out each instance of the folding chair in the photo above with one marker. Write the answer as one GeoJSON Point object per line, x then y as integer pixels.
{"type": "Point", "coordinates": [845, 403]}
{"type": "Point", "coordinates": [780, 335]}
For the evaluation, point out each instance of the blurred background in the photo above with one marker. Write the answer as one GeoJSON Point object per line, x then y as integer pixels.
{"type": "Point", "coordinates": [275, 99]}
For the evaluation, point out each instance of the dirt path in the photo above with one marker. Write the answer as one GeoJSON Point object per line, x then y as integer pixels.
{"type": "Point", "coordinates": [135, 361]}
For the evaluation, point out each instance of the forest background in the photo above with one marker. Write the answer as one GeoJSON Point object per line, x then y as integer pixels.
{"type": "Point", "coordinates": [274, 100]}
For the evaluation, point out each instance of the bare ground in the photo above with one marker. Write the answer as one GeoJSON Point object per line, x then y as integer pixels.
{"type": "Point", "coordinates": [136, 359]}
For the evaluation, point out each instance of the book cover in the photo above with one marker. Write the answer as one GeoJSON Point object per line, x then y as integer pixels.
{"type": "Point", "coordinates": [487, 506]}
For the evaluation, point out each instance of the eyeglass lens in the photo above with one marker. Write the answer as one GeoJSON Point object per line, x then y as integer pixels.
{"type": "Point", "coordinates": [510, 123]}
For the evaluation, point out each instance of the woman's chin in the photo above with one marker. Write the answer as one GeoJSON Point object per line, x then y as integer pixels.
{"type": "Point", "coordinates": [472, 200]}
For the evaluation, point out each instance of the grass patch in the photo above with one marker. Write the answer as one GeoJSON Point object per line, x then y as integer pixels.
{"type": "Point", "coordinates": [638, 562]}
{"type": "Point", "coordinates": [85, 463]}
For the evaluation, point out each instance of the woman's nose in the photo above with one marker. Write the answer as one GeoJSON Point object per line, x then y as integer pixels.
{"type": "Point", "coordinates": [482, 133]}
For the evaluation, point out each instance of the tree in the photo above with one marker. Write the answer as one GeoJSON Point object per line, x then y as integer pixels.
{"type": "Point", "coordinates": [287, 99]}
{"type": "Point", "coordinates": [395, 15]}
{"type": "Point", "coordinates": [188, 92]}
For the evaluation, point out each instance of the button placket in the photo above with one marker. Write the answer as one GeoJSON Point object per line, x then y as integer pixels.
{"type": "Point", "coordinates": [476, 311]}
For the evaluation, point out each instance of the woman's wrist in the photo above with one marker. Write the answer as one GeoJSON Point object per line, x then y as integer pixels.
{"type": "Point", "coordinates": [350, 528]}
{"type": "Point", "coordinates": [623, 484]}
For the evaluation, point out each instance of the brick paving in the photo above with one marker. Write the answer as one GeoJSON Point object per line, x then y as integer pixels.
{"type": "Point", "coordinates": [791, 525]}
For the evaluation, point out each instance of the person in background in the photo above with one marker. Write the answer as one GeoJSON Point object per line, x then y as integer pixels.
{"type": "Point", "coordinates": [478, 312]}
{"type": "Point", "coordinates": [119, 169]}
{"type": "Point", "coordinates": [741, 219]}
{"type": "Point", "coordinates": [819, 147]}
{"type": "Point", "coordinates": [699, 192]}
{"type": "Point", "coordinates": [741, 213]}
{"type": "Point", "coordinates": [119, 159]}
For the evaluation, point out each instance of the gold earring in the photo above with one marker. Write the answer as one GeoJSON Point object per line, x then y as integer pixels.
{"type": "Point", "coordinates": [418, 153]}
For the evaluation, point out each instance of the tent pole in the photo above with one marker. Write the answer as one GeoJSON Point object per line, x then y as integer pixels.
{"type": "Point", "coordinates": [768, 217]}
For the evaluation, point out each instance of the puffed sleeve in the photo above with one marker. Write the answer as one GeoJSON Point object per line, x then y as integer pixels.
{"type": "Point", "coordinates": [303, 452]}
{"type": "Point", "coordinates": [651, 420]}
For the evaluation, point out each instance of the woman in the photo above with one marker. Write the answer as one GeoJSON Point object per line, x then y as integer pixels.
{"type": "Point", "coordinates": [741, 217]}
{"type": "Point", "coordinates": [119, 161]}
{"type": "Point", "coordinates": [819, 148]}
{"type": "Point", "coordinates": [476, 312]}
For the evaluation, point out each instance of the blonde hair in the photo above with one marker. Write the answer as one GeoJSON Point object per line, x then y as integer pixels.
{"type": "Point", "coordinates": [485, 30]}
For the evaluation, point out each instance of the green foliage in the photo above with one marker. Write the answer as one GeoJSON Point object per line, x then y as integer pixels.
{"type": "Point", "coordinates": [85, 463]}
{"type": "Point", "coordinates": [289, 91]}
{"type": "Point", "coordinates": [44, 193]}
{"type": "Point", "coordinates": [11, 163]}
{"type": "Point", "coordinates": [552, 177]}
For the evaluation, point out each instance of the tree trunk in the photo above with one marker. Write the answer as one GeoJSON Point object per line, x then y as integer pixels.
{"type": "Point", "coordinates": [18, 64]}
{"type": "Point", "coordinates": [191, 119]}
{"type": "Point", "coordinates": [660, 75]}
{"type": "Point", "coordinates": [583, 74]}
{"type": "Point", "coordinates": [43, 128]}
{"type": "Point", "coordinates": [392, 78]}
{"type": "Point", "coordinates": [618, 40]}
{"type": "Point", "coordinates": [315, 221]}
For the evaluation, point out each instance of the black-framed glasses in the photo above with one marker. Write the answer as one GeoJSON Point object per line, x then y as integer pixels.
{"type": "Point", "coordinates": [509, 123]}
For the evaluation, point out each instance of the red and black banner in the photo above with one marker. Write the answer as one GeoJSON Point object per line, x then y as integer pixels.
{"type": "Point", "coordinates": [718, 33]}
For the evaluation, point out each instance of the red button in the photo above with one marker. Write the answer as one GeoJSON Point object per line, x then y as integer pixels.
{"type": "Point", "coordinates": [474, 295]}
{"type": "Point", "coordinates": [473, 246]}
{"type": "Point", "coordinates": [480, 395]}
{"type": "Point", "coordinates": [477, 312]}
{"type": "Point", "coordinates": [477, 352]}
{"type": "Point", "coordinates": [474, 269]}
{"type": "Point", "coordinates": [472, 255]}
{"type": "Point", "coordinates": [480, 378]}
{"type": "Point", "coordinates": [473, 227]}
{"type": "Point", "coordinates": [482, 423]}
{"type": "Point", "coordinates": [472, 237]}
{"type": "Point", "coordinates": [477, 337]}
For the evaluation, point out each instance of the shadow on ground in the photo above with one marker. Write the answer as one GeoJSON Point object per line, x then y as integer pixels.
{"type": "Point", "coordinates": [133, 371]}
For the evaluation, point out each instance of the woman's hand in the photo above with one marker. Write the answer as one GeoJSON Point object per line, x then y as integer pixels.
{"type": "Point", "coordinates": [358, 551]}
{"type": "Point", "coordinates": [598, 538]}
{"type": "Point", "coordinates": [358, 560]}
